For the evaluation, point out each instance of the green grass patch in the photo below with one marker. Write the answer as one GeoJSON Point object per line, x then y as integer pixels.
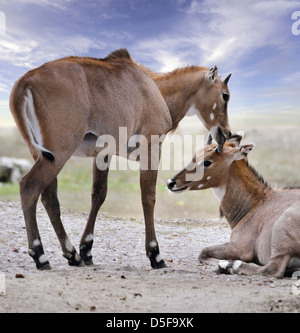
{"type": "Point", "coordinates": [276, 156]}
{"type": "Point", "coordinates": [9, 190]}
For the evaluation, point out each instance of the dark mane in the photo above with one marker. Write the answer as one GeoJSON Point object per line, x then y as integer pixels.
{"type": "Point", "coordinates": [261, 179]}
{"type": "Point", "coordinates": [291, 187]}
{"type": "Point", "coordinates": [257, 175]}
{"type": "Point", "coordinates": [118, 54]}
{"type": "Point", "coordinates": [115, 55]}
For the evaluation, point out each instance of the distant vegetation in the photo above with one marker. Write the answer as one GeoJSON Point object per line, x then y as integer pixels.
{"type": "Point", "coordinates": [276, 156]}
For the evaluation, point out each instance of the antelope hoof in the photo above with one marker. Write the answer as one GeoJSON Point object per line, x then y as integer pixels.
{"type": "Point", "coordinates": [74, 259]}
{"type": "Point", "coordinates": [88, 261]}
{"type": "Point", "coordinates": [85, 254]}
{"type": "Point", "coordinates": [156, 261]}
{"type": "Point", "coordinates": [43, 266]}
{"type": "Point", "coordinates": [225, 267]}
{"type": "Point", "coordinates": [39, 257]}
{"type": "Point", "coordinates": [159, 265]}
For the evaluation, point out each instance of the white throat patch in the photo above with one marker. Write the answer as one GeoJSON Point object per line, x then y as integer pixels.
{"type": "Point", "coordinates": [191, 111]}
{"type": "Point", "coordinates": [219, 192]}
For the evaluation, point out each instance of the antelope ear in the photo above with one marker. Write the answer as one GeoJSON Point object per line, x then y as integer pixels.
{"type": "Point", "coordinates": [212, 75]}
{"type": "Point", "coordinates": [236, 138]}
{"type": "Point", "coordinates": [243, 152]}
{"type": "Point", "coordinates": [209, 140]}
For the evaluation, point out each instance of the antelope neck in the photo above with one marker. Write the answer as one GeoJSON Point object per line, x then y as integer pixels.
{"type": "Point", "coordinates": [245, 189]}
{"type": "Point", "coordinates": [178, 88]}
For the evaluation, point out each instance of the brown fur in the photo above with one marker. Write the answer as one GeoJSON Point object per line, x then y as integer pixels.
{"type": "Point", "coordinates": [62, 107]}
{"type": "Point", "coordinates": [265, 222]}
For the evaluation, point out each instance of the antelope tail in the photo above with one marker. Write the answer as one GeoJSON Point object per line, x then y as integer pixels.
{"type": "Point", "coordinates": [33, 127]}
{"type": "Point", "coordinates": [28, 124]}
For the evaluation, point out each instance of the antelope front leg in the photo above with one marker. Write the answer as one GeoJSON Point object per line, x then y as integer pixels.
{"type": "Point", "coordinates": [148, 193]}
{"type": "Point", "coordinates": [213, 254]}
{"type": "Point", "coordinates": [227, 260]}
{"type": "Point", "coordinates": [238, 267]}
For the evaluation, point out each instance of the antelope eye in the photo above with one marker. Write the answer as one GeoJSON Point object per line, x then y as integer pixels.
{"type": "Point", "coordinates": [225, 97]}
{"type": "Point", "coordinates": [207, 163]}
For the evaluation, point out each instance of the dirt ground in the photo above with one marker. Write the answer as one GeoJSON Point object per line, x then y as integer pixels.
{"type": "Point", "coordinates": [121, 280]}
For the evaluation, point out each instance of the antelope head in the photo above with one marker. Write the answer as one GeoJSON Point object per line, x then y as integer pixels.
{"type": "Point", "coordinates": [215, 166]}
{"type": "Point", "coordinates": [211, 103]}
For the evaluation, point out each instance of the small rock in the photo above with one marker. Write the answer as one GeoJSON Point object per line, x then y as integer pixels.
{"type": "Point", "coordinates": [13, 169]}
{"type": "Point", "coordinates": [20, 276]}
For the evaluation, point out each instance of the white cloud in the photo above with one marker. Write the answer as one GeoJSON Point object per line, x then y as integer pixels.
{"type": "Point", "coordinates": [234, 28]}
{"type": "Point", "coordinates": [221, 32]}
{"type": "Point", "coordinates": [60, 4]}
{"type": "Point", "coordinates": [16, 50]}
{"type": "Point", "coordinates": [4, 88]}
{"type": "Point", "coordinates": [4, 104]}
{"type": "Point", "coordinates": [161, 51]}
{"type": "Point", "coordinates": [27, 52]}
{"type": "Point", "coordinates": [80, 44]}
{"type": "Point", "coordinates": [168, 61]}
{"type": "Point", "coordinates": [292, 78]}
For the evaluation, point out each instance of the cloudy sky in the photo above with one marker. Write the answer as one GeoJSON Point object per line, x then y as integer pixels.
{"type": "Point", "coordinates": [256, 41]}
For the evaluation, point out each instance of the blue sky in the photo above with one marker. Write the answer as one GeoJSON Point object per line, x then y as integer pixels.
{"type": "Point", "coordinates": [251, 39]}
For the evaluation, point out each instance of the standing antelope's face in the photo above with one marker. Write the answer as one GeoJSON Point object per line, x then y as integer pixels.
{"type": "Point", "coordinates": [210, 105]}
{"type": "Point", "coordinates": [216, 166]}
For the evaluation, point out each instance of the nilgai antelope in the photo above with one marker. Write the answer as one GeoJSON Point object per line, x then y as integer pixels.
{"type": "Point", "coordinates": [64, 106]}
{"type": "Point", "coordinates": [265, 222]}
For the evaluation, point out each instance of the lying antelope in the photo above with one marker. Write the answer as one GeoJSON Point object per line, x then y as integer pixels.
{"type": "Point", "coordinates": [62, 107]}
{"type": "Point", "coordinates": [265, 222]}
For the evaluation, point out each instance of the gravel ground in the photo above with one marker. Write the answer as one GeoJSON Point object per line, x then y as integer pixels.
{"type": "Point", "coordinates": [121, 280]}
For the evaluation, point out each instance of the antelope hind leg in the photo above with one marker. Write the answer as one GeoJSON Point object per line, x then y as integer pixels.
{"type": "Point", "coordinates": [31, 186]}
{"type": "Point", "coordinates": [99, 192]}
{"type": "Point", "coordinates": [51, 204]}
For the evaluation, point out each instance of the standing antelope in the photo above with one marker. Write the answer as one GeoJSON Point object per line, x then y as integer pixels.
{"type": "Point", "coordinates": [62, 107]}
{"type": "Point", "coordinates": [265, 223]}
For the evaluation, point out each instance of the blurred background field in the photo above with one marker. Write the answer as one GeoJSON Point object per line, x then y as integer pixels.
{"type": "Point", "coordinates": [276, 156]}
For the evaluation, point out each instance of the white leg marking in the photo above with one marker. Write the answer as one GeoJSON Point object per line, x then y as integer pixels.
{"type": "Point", "coordinates": [36, 242]}
{"type": "Point", "coordinates": [68, 245]}
{"type": "Point", "coordinates": [89, 238]}
{"type": "Point", "coordinates": [77, 257]}
{"type": "Point", "coordinates": [153, 243]}
{"type": "Point", "coordinates": [43, 258]}
{"type": "Point", "coordinates": [223, 263]}
{"type": "Point", "coordinates": [31, 252]}
{"type": "Point", "coordinates": [158, 258]}
{"type": "Point", "coordinates": [236, 265]}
